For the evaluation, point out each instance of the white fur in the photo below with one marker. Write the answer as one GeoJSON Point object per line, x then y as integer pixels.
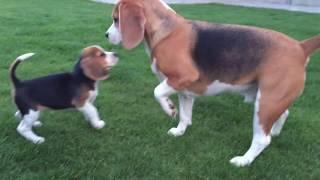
{"type": "Point", "coordinates": [93, 94]}
{"type": "Point", "coordinates": [162, 93]}
{"type": "Point", "coordinates": [307, 62]}
{"type": "Point", "coordinates": [218, 87]}
{"type": "Point", "coordinates": [35, 123]}
{"type": "Point", "coordinates": [114, 34]}
{"type": "Point", "coordinates": [91, 114]}
{"type": "Point", "coordinates": [25, 56]}
{"type": "Point", "coordinates": [259, 142]}
{"type": "Point", "coordinates": [249, 91]}
{"type": "Point", "coordinates": [155, 70]}
{"type": "Point", "coordinates": [278, 125]}
{"type": "Point", "coordinates": [185, 115]}
{"type": "Point", "coordinates": [111, 59]}
{"type": "Point", "coordinates": [25, 127]}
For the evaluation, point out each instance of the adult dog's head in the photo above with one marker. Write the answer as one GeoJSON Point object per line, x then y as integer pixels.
{"type": "Point", "coordinates": [135, 19]}
{"type": "Point", "coordinates": [128, 24]}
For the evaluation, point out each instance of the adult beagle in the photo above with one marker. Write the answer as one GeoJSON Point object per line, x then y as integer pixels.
{"type": "Point", "coordinates": [59, 91]}
{"type": "Point", "coordinates": [196, 58]}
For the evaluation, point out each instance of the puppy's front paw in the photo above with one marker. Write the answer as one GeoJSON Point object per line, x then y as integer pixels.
{"type": "Point", "coordinates": [240, 161]}
{"type": "Point", "coordinates": [98, 124]}
{"type": "Point", "coordinates": [175, 132]}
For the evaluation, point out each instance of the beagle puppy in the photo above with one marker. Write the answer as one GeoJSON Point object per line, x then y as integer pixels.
{"type": "Point", "coordinates": [77, 89]}
{"type": "Point", "coordinates": [194, 58]}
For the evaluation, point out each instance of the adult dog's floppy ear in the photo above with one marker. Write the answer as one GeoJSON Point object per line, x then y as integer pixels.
{"type": "Point", "coordinates": [132, 22]}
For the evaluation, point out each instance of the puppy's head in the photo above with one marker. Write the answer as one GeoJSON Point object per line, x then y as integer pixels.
{"type": "Point", "coordinates": [96, 62]}
{"type": "Point", "coordinates": [128, 24]}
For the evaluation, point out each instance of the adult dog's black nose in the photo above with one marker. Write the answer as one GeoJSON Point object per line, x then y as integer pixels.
{"type": "Point", "coordinates": [107, 35]}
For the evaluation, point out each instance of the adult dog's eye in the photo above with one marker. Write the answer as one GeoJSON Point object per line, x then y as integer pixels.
{"type": "Point", "coordinates": [115, 20]}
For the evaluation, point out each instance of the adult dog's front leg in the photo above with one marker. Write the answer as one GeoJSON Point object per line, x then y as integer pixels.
{"type": "Point", "coordinates": [162, 93]}
{"type": "Point", "coordinates": [161, 78]}
{"type": "Point", "coordinates": [185, 115]}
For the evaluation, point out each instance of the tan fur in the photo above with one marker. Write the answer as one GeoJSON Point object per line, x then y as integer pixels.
{"type": "Point", "coordinates": [311, 45]}
{"type": "Point", "coordinates": [170, 63]}
{"type": "Point", "coordinates": [93, 64]}
{"type": "Point", "coordinates": [82, 97]}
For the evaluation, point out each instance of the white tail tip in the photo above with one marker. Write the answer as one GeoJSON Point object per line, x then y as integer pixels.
{"type": "Point", "coordinates": [25, 56]}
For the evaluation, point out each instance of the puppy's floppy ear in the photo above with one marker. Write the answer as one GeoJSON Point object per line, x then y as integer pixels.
{"type": "Point", "coordinates": [132, 23]}
{"type": "Point", "coordinates": [93, 69]}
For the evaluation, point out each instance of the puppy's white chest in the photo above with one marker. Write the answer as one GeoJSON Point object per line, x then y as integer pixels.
{"type": "Point", "coordinates": [93, 94]}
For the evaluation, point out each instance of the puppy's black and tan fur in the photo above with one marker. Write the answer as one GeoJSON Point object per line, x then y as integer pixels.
{"type": "Point", "coordinates": [77, 89]}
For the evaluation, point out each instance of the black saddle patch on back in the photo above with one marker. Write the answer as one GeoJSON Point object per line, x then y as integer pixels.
{"type": "Point", "coordinates": [226, 52]}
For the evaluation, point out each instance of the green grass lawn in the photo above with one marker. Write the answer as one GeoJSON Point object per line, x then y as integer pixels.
{"type": "Point", "coordinates": [135, 144]}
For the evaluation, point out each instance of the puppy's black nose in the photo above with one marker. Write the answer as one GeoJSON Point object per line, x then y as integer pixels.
{"type": "Point", "coordinates": [115, 55]}
{"type": "Point", "coordinates": [107, 35]}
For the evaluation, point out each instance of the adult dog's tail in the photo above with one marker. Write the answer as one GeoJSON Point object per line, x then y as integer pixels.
{"type": "Point", "coordinates": [311, 45]}
{"type": "Point", "coordinates": [12, 72]}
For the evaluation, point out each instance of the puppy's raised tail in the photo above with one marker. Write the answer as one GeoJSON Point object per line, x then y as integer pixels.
{"type": "Point", "coordinates": [12, 71]}
{"type": "Point", "coordinates": [311, 45]}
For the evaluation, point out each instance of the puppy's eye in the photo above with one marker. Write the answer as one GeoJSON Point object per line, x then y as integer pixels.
{"type": "Point", "coordinates": [115, 20]}
{"type": "Point", "coordinates": [102, 54]}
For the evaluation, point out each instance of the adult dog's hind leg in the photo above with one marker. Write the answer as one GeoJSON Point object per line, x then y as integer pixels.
{"type": "Point", "coordinates": [278, 125]}
{"type": "Point", "coordinates": [270, 105]}
{"type": "Point", "coordinates": [260, 141]}
{"type": "Point", "coordinates": [25, 127]}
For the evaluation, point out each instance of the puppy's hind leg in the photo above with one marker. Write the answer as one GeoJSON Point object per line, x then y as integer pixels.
{"type": "Point", "coordinates": [18, 116]}
{"type": "Point", "coordinates": [25, 127]}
